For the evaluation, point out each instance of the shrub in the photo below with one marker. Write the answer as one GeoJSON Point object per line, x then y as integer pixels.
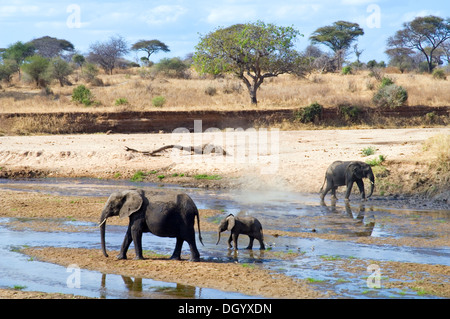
{"type": "Point", "coordinates": [439, 74]}
{"type": "Point", "coordinates": [350, 113]}
{"type": "Point", "coordinates": [347, 70]}
{"type": "Point", "coordinates": [210, 90]}
{"type": "Point", "coordinates": [90, 72]}
{"type": "Point", "coordinates": [121, 101]}
{"type": "Point", "coordinates": [173, 67]}
{"type": "Point", "coordinates": [158, 101]}
{"type": "Point", "coordinates": [386, 81]}
{"type": "Point", "coordinates": [309, 113]}
{"type": "Point", "coordinates": [82, 94]}
{"type": "Point", "coordinates": [368, 151]}
{"type": "Point", "coordinates": [390, 96]}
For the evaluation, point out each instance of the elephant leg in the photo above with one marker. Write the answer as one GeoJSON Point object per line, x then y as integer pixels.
{"type": "Point", "coordinates": [360, 184]}
{"type": "Point", "coordinates": [235, 240]}
{"type": "Point", "coordinates": [349, 190]}
{"type": "Point", "coordinates": [177, 251]}
{"type": "Point", "coordinates": [250, 244]}
{"type": "Point", "coordinates": [261, 243]}
{"type": "Point", "coordinates": [125, 244]}
{"type": "Point", "coordinates": [195, 255]}
{"type": "Point", "coordinates": [333, 193]}
{"type": "Point", "coordinates": [136, 235]}
{"type": "Point", "coordinates": [229, 241]}
{"type": "Point", "coordinates": [326, 190]}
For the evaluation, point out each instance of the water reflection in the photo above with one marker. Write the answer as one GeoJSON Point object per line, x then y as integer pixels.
{"type": "Point", "coordinates": [139, 288]}
{"type": "Point", "coordinates": [352, 221]}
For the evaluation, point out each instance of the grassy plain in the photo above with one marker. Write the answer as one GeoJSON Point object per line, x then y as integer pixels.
{"type": "Point", "coordinates": [129, 91]}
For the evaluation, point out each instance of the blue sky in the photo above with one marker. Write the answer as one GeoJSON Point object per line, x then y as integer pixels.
{"type": "Point", "coordinates": [178, 23]}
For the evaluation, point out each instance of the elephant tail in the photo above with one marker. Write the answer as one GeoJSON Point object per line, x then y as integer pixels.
{"type": "Point", "coordinates": [198, 226]}
{"type": "Point", "coordinates": [324, 179]}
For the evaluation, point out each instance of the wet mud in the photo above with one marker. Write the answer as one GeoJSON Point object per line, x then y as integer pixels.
{"type": "Point", "coordinates": [375, 249]}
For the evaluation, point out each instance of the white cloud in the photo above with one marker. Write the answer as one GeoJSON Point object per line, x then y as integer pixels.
{"type": "Point", "coordinates": [10, 10]}
{"type": "Point", "coordinates": [163, 14]}
{"type": "Point", "coordinates": [231, 14]}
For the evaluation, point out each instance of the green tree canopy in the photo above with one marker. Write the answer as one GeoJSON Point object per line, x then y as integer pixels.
{"type": "Point", "coordinates": [36, 67]}
{"type": "Point", "coordinates": [424, 34]}
{"type": "Point", "coordinates": [18, 52]}
{"type": "Point", "coordinates": [150, 47]}
{"type": "Point", "coordinates": [252, 52]}
{"type": "Point", "coordinates": [338, 37]}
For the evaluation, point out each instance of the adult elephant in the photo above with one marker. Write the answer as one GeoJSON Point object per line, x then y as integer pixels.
{"type": "Point", "coordinates": [341, 173]}
{"type": "Point", "coordinates": [162, 214]}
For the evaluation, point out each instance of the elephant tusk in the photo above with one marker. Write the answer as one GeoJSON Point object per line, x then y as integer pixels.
{"type": "Point", "coordinates": [371, 182]}
{"type": "Point", "coordinates": [100, 225]}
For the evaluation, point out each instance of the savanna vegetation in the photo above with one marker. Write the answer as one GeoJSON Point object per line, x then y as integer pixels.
{"type": "Point", "coordinates": [243, 66]}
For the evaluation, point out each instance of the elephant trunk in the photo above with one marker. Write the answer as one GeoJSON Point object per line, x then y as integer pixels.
{"type": "Point", "coordinates": [102, 226]}
{"type": "Point", "coordinates": [372, 184]}
{"type": "Point", "coordinates": [218, 237]}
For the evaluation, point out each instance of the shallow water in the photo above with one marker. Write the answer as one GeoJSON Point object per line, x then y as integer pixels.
{"type": "Point", "coordinates": [283, 211]}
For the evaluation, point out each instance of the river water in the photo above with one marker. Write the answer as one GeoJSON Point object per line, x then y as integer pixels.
{"type": "Point", "coordinates": [313, 258]}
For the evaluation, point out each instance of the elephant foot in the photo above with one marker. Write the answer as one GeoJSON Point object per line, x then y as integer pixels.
{"type": "Point", "coordinates": [249, 248]}
{"type": "Point", "coordinates": [120, 257]}
{"type": "Point", "coordinates": [139, 258]}
{"type": "Point", "coordinates": [195, 259]}
{"type": "Point", "coordinates": [174, 257]}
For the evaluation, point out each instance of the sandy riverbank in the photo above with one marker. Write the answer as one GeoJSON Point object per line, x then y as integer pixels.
{"type": "Point", "coordinates": [295, 160]}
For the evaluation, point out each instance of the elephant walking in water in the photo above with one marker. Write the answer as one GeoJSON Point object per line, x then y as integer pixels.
{"type": "Point", "coordinates": [341, 173]}
{"type": "Point", "coordinates": [164, 215]}
{"type": "Point", "coordinates": [242, 225]}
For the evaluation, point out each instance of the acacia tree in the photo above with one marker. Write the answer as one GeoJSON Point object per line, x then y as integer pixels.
{"type": "Point", "coordinates": [149, 47]}
{"type": "Point", "coordinates": [338, 37]}
{"type": "Point", "coordinates": [252, 52]}
{"type": "Point", "coordinates": [424, 34]}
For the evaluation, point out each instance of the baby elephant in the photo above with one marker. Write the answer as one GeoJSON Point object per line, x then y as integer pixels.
{"type": "Point", "coordinates": [242, 225]}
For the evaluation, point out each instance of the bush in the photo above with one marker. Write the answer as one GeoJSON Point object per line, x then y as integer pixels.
{"type": "Point", "coordinates": [158, 101]}
{"type": "Point", "coordinates": [390, 96]}
{"type": "Point", "coordinates": [309, 113]}
{"type": "Point", "coordinates": [82, 94]}
{"type": "Point", "coordinates": [171, 67]}
{"type": "Point", "coordinates": [346, 70]}
{"type": "Point", "coordinates": [439, 74]}
{"type": "Point", "coordinates": [386, 81]}
{"type": "Point", "coordinates": [211, 91]}
{"type": "Point", "coordinates": [121, 101]}
{"type": "Point", "coordinates": [350, 113]}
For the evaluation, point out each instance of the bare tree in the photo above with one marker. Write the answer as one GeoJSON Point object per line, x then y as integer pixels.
{"type": "Point", "coordinates": [107, 54]}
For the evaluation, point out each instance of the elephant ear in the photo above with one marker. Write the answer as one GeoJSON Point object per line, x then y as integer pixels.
{"type": "Point", "coordinates": [231, 222]}
{"type": "Point", "coordinates": [132, 203]}
{"type": "Point", "coordinates": [356, 170]}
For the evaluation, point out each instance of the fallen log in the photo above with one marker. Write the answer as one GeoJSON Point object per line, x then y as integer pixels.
{"type": "Point", "coordinates": [201, 149]}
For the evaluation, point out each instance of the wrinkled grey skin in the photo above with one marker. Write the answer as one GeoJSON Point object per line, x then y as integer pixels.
{"type": "Point", "coordinates": [249, 226]}
{"type": "Point", "coordinates": [341, 173]}
{"type": "Point", "coordinates": [164, 215]}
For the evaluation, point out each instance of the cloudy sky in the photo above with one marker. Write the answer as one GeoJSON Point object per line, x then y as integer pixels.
{"type": "Point", "coordinates": [178, 23]}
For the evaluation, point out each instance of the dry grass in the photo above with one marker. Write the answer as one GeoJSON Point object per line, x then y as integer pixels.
{"type": "Point", "coordinates": [223, 93]}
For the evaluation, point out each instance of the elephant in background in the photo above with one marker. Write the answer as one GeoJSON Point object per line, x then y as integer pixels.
{"type": "Point", "coordinates": [242, 225]}
{"type": "Point", "coordinates": [162, 214]}
{"type": "Point", "coordinates": [341, 173]}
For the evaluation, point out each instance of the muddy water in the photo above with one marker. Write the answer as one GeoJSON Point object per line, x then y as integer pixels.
{"type": "Point", "coordinates": [314, 259]}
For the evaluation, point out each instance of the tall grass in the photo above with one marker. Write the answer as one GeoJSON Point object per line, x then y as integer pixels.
{"type": "Point", "coordinates": [285, 91]}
